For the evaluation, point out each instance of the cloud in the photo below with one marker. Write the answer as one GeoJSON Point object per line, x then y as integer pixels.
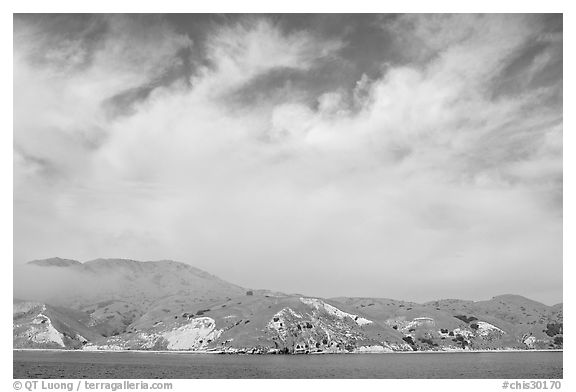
{"type": "Point", "coordinates": [61, 286]}
{"type": "Point", "coordinates": [241, 51]}
{"type": "Point", "coordinates": [423, 175]}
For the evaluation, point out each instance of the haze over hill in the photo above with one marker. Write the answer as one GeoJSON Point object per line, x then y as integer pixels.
{"type": "Point", "coordinates": [69, 282]}
{"type": "Point", "coordinates": [166, 305]}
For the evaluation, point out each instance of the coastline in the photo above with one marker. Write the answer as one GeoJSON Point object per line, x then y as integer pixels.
{"type": "Point", "coordinates": [182, 352]}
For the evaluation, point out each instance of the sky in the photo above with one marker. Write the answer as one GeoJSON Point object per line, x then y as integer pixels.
{"type": "Point", "coordinates": [414, 156]}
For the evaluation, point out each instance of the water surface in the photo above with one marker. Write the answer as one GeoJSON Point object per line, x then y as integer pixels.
{"type": "Point", "coordinates": [143, 365]}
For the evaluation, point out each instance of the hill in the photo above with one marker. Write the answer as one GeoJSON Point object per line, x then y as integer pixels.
{"type": "Point", "coordinates": [124, 304]}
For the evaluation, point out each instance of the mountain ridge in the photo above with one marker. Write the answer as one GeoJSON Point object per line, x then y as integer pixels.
{"type": "Point", "coordinates": [63, 262]}
{"type": "Point", "coordinates": [126, 304]}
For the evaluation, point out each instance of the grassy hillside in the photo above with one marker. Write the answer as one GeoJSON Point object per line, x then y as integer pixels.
{"type": "Point", "coordinates": [164, 305]}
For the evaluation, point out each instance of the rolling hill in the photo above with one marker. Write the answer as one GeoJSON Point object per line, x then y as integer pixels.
{"type": "Point", "coordinates": [119, 304]}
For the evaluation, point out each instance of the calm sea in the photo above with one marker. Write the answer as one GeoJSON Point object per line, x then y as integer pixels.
{"type": "Point", "coordinates": [136, 365]}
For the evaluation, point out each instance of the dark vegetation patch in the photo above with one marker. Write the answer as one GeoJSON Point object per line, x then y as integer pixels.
{"type": "Point", "coordinates": [410, 341]}
{"type": "Point", "coordinates": [467, 320]}
{"type": "Point", "coordinates": [460, 339]}
{"type": "Point", "coordinates": [427, 341]}
{"type": "Point", "coordinates": [553, 329]}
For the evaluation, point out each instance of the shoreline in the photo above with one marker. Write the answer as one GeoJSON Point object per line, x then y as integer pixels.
{"type": "Point", "coordinates": [182, 352]}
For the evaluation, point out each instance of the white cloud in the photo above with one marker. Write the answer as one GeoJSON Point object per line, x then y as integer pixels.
{"type": "Point", "coordinates": [413, 186]}
{"type": "Point", "coordinates": [252, 47]}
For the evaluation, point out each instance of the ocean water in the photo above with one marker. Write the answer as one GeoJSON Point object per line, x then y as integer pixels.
{"type": "Point", "coordinates": [143, 365]}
